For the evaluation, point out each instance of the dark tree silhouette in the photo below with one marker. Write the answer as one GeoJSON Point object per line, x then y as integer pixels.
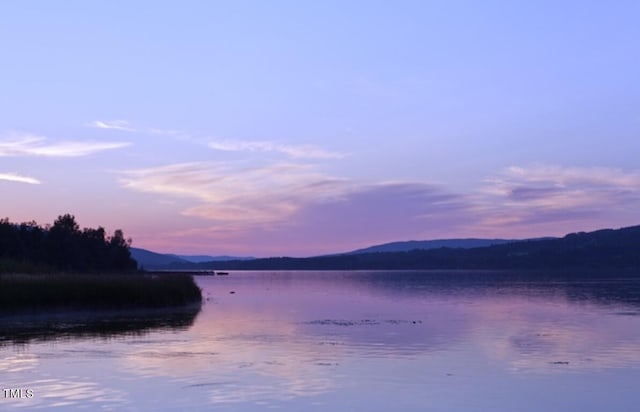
{"type": "Point", "coordinates": [64, 246]}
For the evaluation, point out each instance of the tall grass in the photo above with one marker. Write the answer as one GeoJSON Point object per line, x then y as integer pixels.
{"type": "Point", "coordinates": [8, 265]}
{"type": "Point", "coordinates": [99, 291]}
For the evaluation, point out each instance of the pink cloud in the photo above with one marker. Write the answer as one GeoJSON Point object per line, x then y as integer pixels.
{"type": "Point", "coordinates": [294, 209]}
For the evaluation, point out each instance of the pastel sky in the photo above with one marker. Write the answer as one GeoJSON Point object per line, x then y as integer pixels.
{"type": "Point", "coordinates": [306, 127]}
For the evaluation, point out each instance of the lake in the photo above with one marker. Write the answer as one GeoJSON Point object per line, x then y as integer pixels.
{"type": "Point", "coordinates": [342, 341]}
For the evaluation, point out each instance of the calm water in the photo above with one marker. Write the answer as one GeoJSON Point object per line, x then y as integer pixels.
{"type": "Point", "coordinates": [362, 341]}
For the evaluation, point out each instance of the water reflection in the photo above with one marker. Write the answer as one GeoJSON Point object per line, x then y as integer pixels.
{"type": "Point", "coordinates": [451, 341]}
{"type": "Point", "coordinates": [24, 328]}
{"type": "Point", "coordinates": [529, 322]}
{"type": "Point", "coordinates": [237, 356]}
{"type": "Point", "coordinates": [594, 287]}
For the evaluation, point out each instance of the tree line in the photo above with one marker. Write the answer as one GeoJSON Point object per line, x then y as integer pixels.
{"type": "Point", "coordinates": [64, 246]}
{"type": "Point", "coordinates": [602, 249]}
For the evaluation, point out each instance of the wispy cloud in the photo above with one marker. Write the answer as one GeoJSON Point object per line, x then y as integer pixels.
{"type": "Point", "coordinates": [24, 144]}
{"type": "Point", "coordinates": [255, 194]}
{"type": "Point", "coordinates": [168, 132]}
{"type": "Point", "coordinates": [283, 201]}
{"type": "Point", "coordinates": [299, 209]}
{"type": "Point", "coordinates": [113, 124]}
{"type": "Point", "coordinates": [548, 194]}
{"type": "Point", "coordinates": [126, 126]}
{"type": "Point", "coordinates": [559, 187]}
{"type": "Point", "coordinates": [358, 216]}
{"type": "Point", "coordinates": [569, 176]}
{"type": "Point", "coordinates": [293, 151]}
{"type": "Point", "coordinates": [15, 177]}
{"type": "Point", "coordinates": [304, 151]}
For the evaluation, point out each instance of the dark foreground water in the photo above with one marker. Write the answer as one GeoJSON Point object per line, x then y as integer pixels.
{"type": "Point", "coordinates": [341, 341]}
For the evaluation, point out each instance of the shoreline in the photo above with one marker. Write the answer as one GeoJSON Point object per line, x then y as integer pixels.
{"type": "Point", "coordinates": [97, 291]}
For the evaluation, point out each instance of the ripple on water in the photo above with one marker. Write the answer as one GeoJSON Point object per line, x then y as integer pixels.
{"type": "Point", "coordinates": [64, 393]}
{"type": "Point", "coordinates": [369, 344]}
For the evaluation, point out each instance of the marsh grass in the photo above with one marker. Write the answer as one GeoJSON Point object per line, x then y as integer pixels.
{"type": "Point", "coordinates": [13, 266]}
{"type": "Point", "coordinates": [97, 291]}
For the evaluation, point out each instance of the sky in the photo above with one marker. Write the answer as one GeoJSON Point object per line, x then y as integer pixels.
{"type": "Point", "coordinates": [299, 128]}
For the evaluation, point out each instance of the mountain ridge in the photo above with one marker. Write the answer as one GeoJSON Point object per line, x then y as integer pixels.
{"type": "Point", "coordinates": [605, 248]}
{"type": "Point", "coordinates": [149, 259]}
{"type": "Point", "coordinates": [155, 260]}
{"type": "Point", "coordinates": [209, 258]}
{"type": "Point", "coordinates": [407, 245]}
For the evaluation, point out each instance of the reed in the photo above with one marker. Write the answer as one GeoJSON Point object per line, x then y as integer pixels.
{"type": "Point", "coordinates": [13, 266]}
{"type": "Point", "coordinates": [99, 291]}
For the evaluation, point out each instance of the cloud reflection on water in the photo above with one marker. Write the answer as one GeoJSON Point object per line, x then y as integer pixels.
{"type": "Point", "coordinates": [305, 340]}
{"type": "Point", "coordinates": [237, 357]}
{"type": "Point", "coordinates": [300, 335]}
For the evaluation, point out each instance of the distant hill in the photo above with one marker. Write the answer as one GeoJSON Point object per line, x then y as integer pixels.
{"type": "Point", "coordinates": [158, 261]}
{"type": "Point", "coordinates": [431, 244]}
{"type": "Point", "coordinates": [152, 260]}
{"type": "Point", "coordinates": [207, 258]}
{"type": "Point", "coordinates": [602, 249]}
